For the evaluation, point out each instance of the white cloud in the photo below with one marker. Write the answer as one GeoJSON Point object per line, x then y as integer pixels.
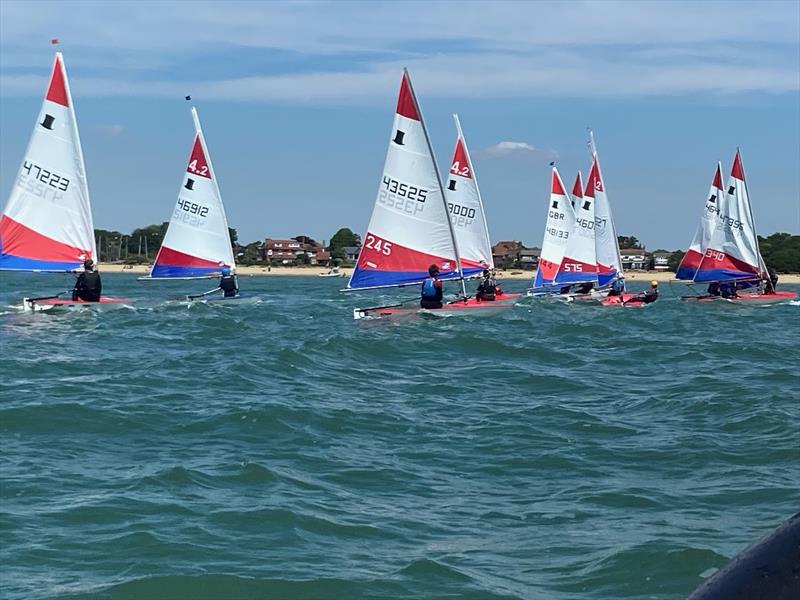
{"type": "Point", "coordinates": [522, 150]}
{"type": "Point", "coordinates": [109, 129]}
{"type": "Point", "coordinates": [340, 52]}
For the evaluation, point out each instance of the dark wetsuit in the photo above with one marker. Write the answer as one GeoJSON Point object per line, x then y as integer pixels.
{"type": "Point", "coordinates": [227, 284]}
{"type": "Point", "coordinates": [650, 296]}
{"type": "Point", "coordinates": [88, 287]}
{"type": "Point", "coordinates": [432, 293]}
{"type": "Point", "coordinates": [487, 290]}
{"type": "Point", "coordinates": [585, 288]}
{"type": "Point", "coordinates": [713, 289]}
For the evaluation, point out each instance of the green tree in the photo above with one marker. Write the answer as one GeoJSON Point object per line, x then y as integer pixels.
{"type": "Point", "coordinates": [342, 238]}
{"type": "Point", "coordinates": [628, 241]}
{"type": "Point", "coordinates": [146, 241]}
{"type": "Point", "coordinates": [781, 251]}
{"type": "Point", "coordinates": [250, 254]}
{"type": "Point", "coordinates": [233, 235]}
{"type": "Point", "coordinates": [675, 259]}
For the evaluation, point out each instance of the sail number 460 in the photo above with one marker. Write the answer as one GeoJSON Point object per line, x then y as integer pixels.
{"type": "Point", "coordinates": [378, 245]}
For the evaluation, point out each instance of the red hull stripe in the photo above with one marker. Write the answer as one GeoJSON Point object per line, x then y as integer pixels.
{"type": "Point", "coordinates": [18, 240]}
{"type": "Point", "coordinates": [405, 101]}
{"type": "Point", "coordinates": [57, 91]}
{"type": "Point", "coordinates": [173, 258]}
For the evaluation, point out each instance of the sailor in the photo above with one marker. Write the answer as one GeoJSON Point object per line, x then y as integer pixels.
{"type": "Point", "coordinates": [487, 289]}
{"type": "Point", "coordinates": [728, 290]}
{"type": "Point", "coordinates": [617, 287]}
{"type": "Point", "coordinates": [771, 282]}
{"type": "Point", "coordinates": [585, 288]}
{"type": "Point", "coordinates": [651, 295]}
{"type": "Point", "coordinates": [431, 293]}
{"type": "Point", "coordinates": [713, 288]}
{"type": "Point", "coordinates": [228, 283]}
{"type": "Point", "coordinates": [88, 286]}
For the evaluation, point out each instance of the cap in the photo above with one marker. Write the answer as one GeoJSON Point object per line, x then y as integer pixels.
{"type": "Point", "coordinates": [654, 282]}
{"type": "Point", "coordinates": [226, 270]}
{"type": "Point", "coordinates": [88, 263]}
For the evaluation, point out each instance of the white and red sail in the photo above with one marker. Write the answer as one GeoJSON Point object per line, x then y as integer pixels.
{"type": "Point", "coordinates": [579, 264]}
{"type": "Point", "coordinates": [558, 230]}
{"type": "Point", "coordinates": [702, 237]}
{"type": "Point", "coordinates": [47, 222]}
{"type": "Point", "coordinates": [410, 228]}
{"type": "Point", "coordinates": [732, 251]}
{"type": "Point", "coordinates": [609, 264]}
{"type": "Point", "coordinates": [197, 242]}
{"type": "Point", "coordinates": [466, 210]}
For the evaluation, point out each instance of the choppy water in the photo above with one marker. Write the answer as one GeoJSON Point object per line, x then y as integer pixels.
{"type": "Point", "coordinates": [280, 449]}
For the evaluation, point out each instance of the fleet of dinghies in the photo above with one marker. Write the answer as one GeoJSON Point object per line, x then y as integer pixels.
{"type": "Point", "coordinates": [724, 253]}
{"type": "Point", "coordinates": [417, 221]}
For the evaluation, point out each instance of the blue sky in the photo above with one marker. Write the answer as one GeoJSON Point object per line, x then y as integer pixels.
{"type": "Point", "coordinates": [297, 101]}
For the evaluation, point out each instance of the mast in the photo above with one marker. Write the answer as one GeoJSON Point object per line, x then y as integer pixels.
{"type": "Point", "coordinates": [79, 159]}
{"type": "Point", "coordinates": [439, 181]}
{"type": "Point", "coordinates": [199, 131]}
{"type": "Point", "coordinates": [593, 151]}
{"type": "Point", "coordinates": [474, 179]}
{"type": "Point", "coordinates": [761, 264]}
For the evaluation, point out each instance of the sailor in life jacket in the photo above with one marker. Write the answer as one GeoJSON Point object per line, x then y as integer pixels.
{"type": "Point", "coordinates": [488, 289]}
{"type": "Point", "coordinates": [617, 287]}
{"type": "Point", "coordinates": [88, 286]}
{"type": "Point", "coordinates": [228, 283]}
{"type": "Point", "coordinates": [431, 294]}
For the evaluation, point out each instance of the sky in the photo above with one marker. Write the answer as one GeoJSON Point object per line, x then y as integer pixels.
{"type": "Point", "coordinates": [297, 101]}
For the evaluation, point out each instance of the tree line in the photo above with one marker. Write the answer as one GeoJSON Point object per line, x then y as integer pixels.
{"type": "Point", "coordinates": [781, 251]}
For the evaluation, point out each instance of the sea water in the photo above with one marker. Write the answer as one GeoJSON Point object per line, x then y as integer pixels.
{"type": "Point", "coordinates": [280, 449]}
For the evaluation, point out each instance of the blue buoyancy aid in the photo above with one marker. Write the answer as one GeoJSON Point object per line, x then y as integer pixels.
{"type": "Point", "coordinates": [429, 288]}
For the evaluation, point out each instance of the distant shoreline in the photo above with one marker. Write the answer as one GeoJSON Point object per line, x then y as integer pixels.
{"type": "Point", "coordinates": [242, 271]}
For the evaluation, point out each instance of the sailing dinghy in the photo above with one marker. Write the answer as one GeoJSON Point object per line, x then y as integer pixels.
{"type": "Point", "coordinates": [559, 228]}
{"type": "Point", "coordinates": [197, 243]}
{"type": "Point", "coordinates": [47, 224]}
{"type": "Point", "coordinates": [732, 256]}
{"type": "Point", "coordinates": [410, 228]}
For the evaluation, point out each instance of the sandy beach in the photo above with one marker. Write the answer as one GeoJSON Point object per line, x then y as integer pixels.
{"type": "Point", "coordinates": [243, 271]}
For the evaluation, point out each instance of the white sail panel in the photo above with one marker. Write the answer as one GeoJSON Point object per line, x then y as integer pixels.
{"type": "Point", "coordinates": [409, 228]}
{"type": "Point", "coordinates": [691, 260]}
{"type": "Point", "coordinates": [466, 210]}
{"type": "Point", "coordinates": [579, 264]}
{"type": "Point", "coordinates": [558, 229]}
{"type": "Point", "coordinates": [47, 222]}
{"type": "Point", "coordinates": [609, 265]}
{"type": "Point", "coordinates": [197, 242]}
{"type": "Point", "coordinates": [732, 251]}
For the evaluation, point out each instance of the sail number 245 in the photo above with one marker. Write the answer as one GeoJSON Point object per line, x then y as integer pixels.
{"type": "Point", "coordinates": [378, 245]}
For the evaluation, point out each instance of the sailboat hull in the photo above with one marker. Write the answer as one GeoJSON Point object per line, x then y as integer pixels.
{"type": "Point", "coordinates": [747, 299]}
{"type": "Point", "coordinates": [460, 308]}
{"type": "Point", "coordinates": [63, 304]}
